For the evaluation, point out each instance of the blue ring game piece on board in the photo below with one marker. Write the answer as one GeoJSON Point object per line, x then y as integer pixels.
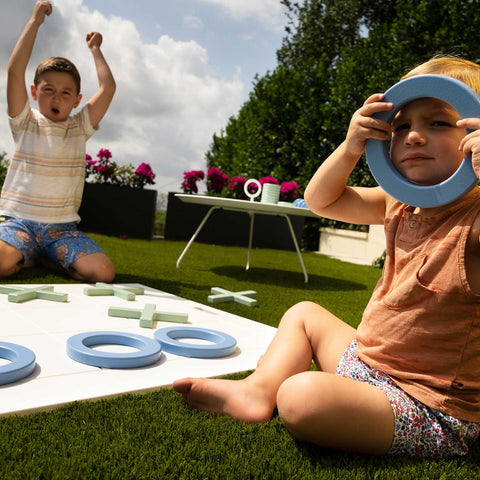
{"type": "Point", "coordinates": [465, 101]}
{"type": "Point", "coordinates": [223, 344]}
{"type": "Point", "coordinates": [22, 362]}
{"type": "Point", "coordinates": [78, 349]}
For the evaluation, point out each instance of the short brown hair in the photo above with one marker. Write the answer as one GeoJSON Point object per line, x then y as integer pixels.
{"type": "Point", "coordinates": [57, 64]}
{"type": "Point", "coordinates": [456, 67]}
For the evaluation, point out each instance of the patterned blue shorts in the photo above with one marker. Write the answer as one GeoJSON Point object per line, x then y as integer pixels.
{"type": "Point", "coordinates": [420, 431]}
{"type": "Point", "coordinates": [61, 242]}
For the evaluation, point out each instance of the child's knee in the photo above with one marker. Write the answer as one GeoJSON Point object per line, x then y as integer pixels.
{"type": "Point", "coordinates": [10, 258]}
{"type": "Point", "coordinates": [298, 313]}
{"type": "Point", "coordinates": [93, 268]}
{"type": "Point", "coordinates": [293, 399]}
{"type": "Point", "coordinates": [305, 310]}
{"type": "Point", "coordinates": [103, 272]}
{"type": "Point", "coordinates": [6, 270]}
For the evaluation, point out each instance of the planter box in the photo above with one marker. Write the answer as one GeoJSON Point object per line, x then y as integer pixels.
{"type": "Point", "coordinates": [225, 227]}
{"type": "Point", "coordinates": [355, 247]}
{"type": "Point", "coordinates": [115, 210]}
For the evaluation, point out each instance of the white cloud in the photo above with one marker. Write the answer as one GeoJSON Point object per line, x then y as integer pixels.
{"type": "Point", "coordinates": [271, 13]}
{"type": "Point", "coordinates": [249, 36]}
{"type": "Point", "coordinates": [194, 22]}
{"type": "Point", "coordinates": [168, 103]}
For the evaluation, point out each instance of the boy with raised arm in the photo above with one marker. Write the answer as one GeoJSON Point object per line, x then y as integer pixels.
{"type": "Point", "coordinates": [44, 184]}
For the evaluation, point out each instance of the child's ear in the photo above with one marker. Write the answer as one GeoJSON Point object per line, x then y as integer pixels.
{"type": "Point", "coordinates": [79, 99]}
{"type": "Point", "coordinates": [33, 91]}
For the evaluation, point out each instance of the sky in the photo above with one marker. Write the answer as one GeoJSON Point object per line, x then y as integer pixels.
{"type": "Point", "coordinates": [182, 68]}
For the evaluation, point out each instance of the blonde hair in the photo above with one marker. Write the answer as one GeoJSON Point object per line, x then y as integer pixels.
{"type": "Point", "coordinates": [464, 70]}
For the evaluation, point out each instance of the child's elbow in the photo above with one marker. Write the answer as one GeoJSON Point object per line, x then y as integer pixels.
{"type": "Point", "coordinates": [112, 88]}
{"type": "Point", "coordinates": [307, 195]}
{"type": "Point", "coordinates": [108, 89]}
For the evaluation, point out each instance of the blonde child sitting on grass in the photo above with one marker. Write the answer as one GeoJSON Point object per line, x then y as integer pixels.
{"type": "Point", "coordinates": [407, 381]}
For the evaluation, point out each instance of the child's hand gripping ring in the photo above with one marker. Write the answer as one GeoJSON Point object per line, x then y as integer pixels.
{"type": "Point", "coordinates": [458, 95]}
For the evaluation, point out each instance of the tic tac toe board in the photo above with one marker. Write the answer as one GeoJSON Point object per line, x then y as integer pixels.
{"type": "Point", "coordinates": [45, 326]}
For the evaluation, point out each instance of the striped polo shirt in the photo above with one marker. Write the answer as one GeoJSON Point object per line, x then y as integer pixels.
{"type": "Point", "coordinates": [45, 178]}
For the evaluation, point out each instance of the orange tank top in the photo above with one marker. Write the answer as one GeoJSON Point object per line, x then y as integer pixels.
{"type": "Point", "coordinates": [422, 324]}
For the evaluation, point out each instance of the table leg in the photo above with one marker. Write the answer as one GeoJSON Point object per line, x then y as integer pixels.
{"type": "Point", "coordinates": [194, 236]}
{"type": "Point", "coordinates": [296, 247]}
{"type": "Point", "coordinates": [250, 237]}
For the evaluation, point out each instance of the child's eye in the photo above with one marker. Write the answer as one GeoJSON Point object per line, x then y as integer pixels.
{"type": "Point", "coordinates": [401, 126]}
{"type": "Point", "coordinates": [441, 123]}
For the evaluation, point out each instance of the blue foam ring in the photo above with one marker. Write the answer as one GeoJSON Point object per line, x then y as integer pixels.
{"type": "Point", "coordinates": [300, 203]}
{"type": "Point", "coordinates": [465, 101]}
{"type": "Point", "coordinates": [22, 362]}
{"type": "Point", "coordinates": [224, 344]}
{"type": "Point", "coordinates": [78, 349]}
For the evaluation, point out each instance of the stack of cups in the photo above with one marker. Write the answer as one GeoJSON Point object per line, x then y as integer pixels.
{"type": "Point", "coordinates": [270, 193]}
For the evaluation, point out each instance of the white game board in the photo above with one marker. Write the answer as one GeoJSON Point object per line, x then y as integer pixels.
{"type": "Point", "coordinates": [45, 326]}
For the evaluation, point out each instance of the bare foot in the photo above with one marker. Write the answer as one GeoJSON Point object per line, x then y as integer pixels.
{"type": "Point", "coordinates": [238, 399]}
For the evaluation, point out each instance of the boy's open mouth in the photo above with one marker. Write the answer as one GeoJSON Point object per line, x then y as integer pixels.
{"type": "Point", "coordinates": [56, 111]}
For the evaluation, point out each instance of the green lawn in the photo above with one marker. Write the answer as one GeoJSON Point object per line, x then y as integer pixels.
{"type": "Point", "coordinates": [155, 435]}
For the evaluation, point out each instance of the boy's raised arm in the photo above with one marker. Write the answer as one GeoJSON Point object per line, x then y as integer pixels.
{"type": "Point", "coordinates": [99, 103]}
{"type": "Point", "coordinates": [16, 89]}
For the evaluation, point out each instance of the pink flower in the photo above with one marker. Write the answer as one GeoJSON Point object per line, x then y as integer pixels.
{"type": "Point", "coordinates": [268, 180]}
{"type": "Point", "coordinates": [237, 183]}
{"type": "Point", "coordinates": [104, 153]}
{"type": "Point", "coordinates": [216, 180]}
{"type": "Point", "coordinates": [190, 179]}
{"type": "Point", "coordinates": [143, 175]}
{"type": "Point", "coordinates": [289, 191]}
{"type": "Point", "coordinates": [89, 163]}
{"type": "Point", "coordinates": [104, 170]}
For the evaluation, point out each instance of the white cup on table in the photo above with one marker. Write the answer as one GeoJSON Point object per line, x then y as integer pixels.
{"type": "Point", "coordinates": [270, 193]}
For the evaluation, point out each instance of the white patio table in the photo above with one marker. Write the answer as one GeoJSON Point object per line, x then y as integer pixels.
{"type": "Point", "coordinates": [250, 207]}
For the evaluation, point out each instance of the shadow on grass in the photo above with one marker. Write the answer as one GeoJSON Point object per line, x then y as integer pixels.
{"type": "Point", "coordinates": [288, 278]}
{"type": "Point", "coordinates": [41, 276]}
{"type": "Point", "coordinates": [171, 286]}
{"type": "Point", "coordinates": [324, 458]}
{"type": "Point", "coordinates": [266, 276]}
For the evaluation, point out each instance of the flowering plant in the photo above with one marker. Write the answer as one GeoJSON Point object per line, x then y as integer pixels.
{"type": "Point", "coordinates": [236, 186]}
{"type": "Point", "coordinates": [190, 179]}
{"type": "Point", "coordinates": [216, 181]}
{"type": "Point", "coordinates": [289, 191]}
{"type": "Point", "coordinates": [105, 170]}
{"type": "Point", "coordinates": [143, 175]}
{"type": "Point", "coordinates": [264, 180]}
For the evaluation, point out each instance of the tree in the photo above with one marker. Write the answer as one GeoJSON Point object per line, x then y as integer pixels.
{"type": "Point", "coordinates": [270, 135]}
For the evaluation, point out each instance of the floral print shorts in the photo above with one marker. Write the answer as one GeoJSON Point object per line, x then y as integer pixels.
{"type": "Point", "coordinates": [61, 242]}
{"type": "Point", "coordinates": [420, 431]}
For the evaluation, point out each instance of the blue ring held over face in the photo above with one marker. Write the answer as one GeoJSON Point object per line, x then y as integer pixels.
{"type": "Point", "coordinates": [459, 96]}
{"type": "Point", "coordinates": [78, 349]}
{"type": "Point", "coordinates": [22, 362]}
{"type": "Point", "coordinates": [223, 344]}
